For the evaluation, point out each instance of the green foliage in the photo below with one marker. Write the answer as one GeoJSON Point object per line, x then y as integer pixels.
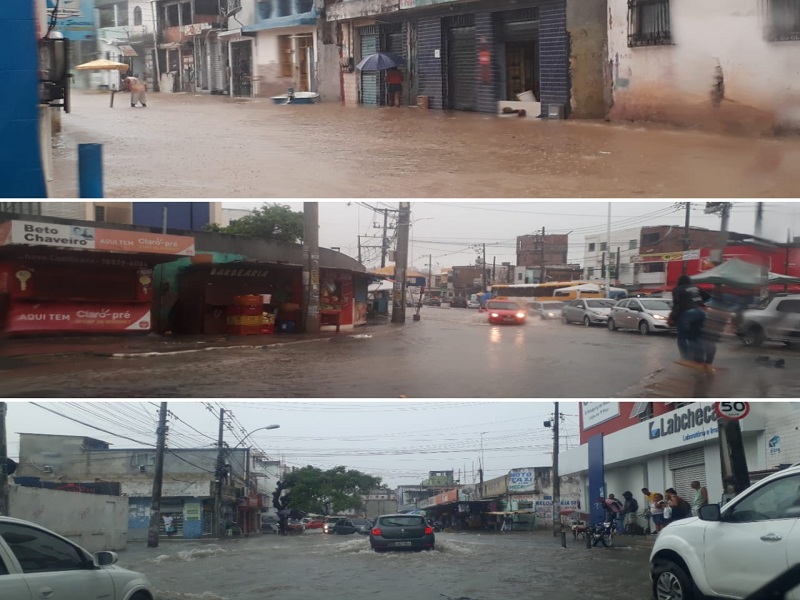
{"type": "Point", "coordinates": [328, 492]}
{"type": "Point", "coordinates": [270, 222]}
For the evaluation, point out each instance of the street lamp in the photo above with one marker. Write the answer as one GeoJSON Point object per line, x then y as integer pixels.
{"type": "Point", "coordinates": [252, 432]}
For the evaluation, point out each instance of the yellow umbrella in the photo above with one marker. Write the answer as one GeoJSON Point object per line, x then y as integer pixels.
{"type": "Point", "coordinates": [102, 64]}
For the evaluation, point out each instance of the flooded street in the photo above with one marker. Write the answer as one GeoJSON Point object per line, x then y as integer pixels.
{"type": "Point", "coordinates": [211, 147]}
{"type": "Point", "coordinates": [450, 353]}
{"type": "Point", "coordinates": [313, 566]}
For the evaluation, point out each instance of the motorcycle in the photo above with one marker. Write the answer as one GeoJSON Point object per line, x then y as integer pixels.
{"type": "Point", "coordinates": [602, 532]}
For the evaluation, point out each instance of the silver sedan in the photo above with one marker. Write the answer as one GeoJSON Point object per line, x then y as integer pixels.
{"type": "Point", "coordinates": [645, 314]}
{"type": "Point", "coordinates": [589, 311]}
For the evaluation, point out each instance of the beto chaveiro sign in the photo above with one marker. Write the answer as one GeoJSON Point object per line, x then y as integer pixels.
{"type": "Point", "coordinates": [685, 422]}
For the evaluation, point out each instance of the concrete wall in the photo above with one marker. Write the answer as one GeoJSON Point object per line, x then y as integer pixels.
{"type": "Point", "coordinates": [93, 521]}
{"type": "Point", "coordinates": [673, 83]}
{"type": "Point", "coordinates": [586, 25]}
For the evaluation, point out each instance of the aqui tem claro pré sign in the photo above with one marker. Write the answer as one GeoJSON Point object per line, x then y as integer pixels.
{"type": "Point", "coordinates": [702, 419]}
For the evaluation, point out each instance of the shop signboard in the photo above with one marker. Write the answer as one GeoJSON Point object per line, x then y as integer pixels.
{"type": "Point", "coordinates": [418, 3]}
{"type": "Point", "coordinates": [521, 481]}
{"type": "Point", "coordinates": [94, 238]}
{"type": "Point", "coordinates": [595, 413]}
{"type": "Point", "coordinates": [74, 18]}
{"type": "Point", "coordinates": [191, 512]}
{"type": "Point", "coordinates": [62, 317]}
{"type": "Point", "coordinates": [668, 256]}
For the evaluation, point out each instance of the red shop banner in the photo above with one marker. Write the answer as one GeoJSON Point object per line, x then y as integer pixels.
{"type": "Point", "coordinates": [43, 317]}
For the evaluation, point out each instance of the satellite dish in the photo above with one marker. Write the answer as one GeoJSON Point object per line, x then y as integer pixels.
{"type": "Point", "coordinates": [468, 489]}
{"type": "Point", "coordinates": [234, 10]}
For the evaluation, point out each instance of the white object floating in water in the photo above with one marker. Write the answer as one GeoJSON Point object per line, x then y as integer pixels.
{"type": "Point", "coordinates": [361, 336]}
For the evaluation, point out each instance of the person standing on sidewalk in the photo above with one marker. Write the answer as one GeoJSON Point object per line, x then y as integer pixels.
{"type": "Point", "coordinates": [629, 509]}
{"type": "Point", "coordinates": [394, 80]}
{"type": "Point", "coordinates": [700, 497]}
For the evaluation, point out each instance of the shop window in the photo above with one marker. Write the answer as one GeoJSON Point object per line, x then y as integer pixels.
{"type": "Point", "coordinates": [285, 52]}
{"type": "Point", "coordinates": [653, 267]}
{"type": "Point", "coordinates": [783, 20]}
{"type": "Point", "coordinates": [591, 247]}
{"type": "Point", "coordinates": [284, 8]}
{"type": "Point", "coordinates": [648, 23]}
{"type": "Point", "coordinates": [172, 18]}
{"type": "Point", "coordinates": [100, 213]}
{"type": "Point", "coordinates": [137, 16]}
{"type": "Point", "coordinates": [186, 13]}
{"type": "Point", "coordinates": [105, 16]}
{"type": "Point", "coordinates": [633, 245]}
{"type": "Point", "coordinates": [648, 239]}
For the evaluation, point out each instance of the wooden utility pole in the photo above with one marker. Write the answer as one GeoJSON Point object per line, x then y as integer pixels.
{"type": "Point", "coordinates": [483, 269]}
{"type": "Point", "coordinates": [311, 266]}
{"type": "Point", "coordinates": [401, 265]}
{"type": "Point", "coordinates": [219, 526]}
{"type": "Point", "coordinates": [732, 456]}
{"type": "Point", "coordinates": [759, 218]}
{"type": "Point", "coordinates": [385, 242]}
{"type": "Point", "coordinates": [608, 249]}
{"type": "Point", "coordinates": [556, 477]}
{"type": "Point", "coordinates": [541, 259]}
{"type": "Point", "coordinates": [359, 249]}
{"type": "Point", "coordinates": [686, 239]}
{"type": "Point", "coordinates": [4, 500]}
{"type": "Point", "coordinates": [158, 479]}
{"type": "Point", "coordinates": [494, 269]}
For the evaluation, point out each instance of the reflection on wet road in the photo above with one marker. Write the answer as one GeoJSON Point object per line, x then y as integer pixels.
{"type": "Point", "coordinates": [449, 353]}
{"type": "Point", "coordinates": [209, 146]}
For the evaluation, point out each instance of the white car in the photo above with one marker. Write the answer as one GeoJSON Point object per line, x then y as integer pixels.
{"type": "Point", "coordinates": [473, 304]}
{"type": "Point", "coordinates": [37, 563]}
{"type": "Point", "coordinates": [647, 315]}
{"type": "Point", "coordinates": [589, 311]}
{"type": "Point", "coordinates": [733, 551]}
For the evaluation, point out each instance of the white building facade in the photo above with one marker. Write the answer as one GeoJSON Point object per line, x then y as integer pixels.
{"type": "Point", "coordinates": [678, 446]}
{"type": "Point", "coordinates": [596, 250]}
{"type": "Point", "coordinates": [732, 62]}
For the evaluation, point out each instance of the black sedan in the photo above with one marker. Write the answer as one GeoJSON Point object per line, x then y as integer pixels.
{"type": "Point", "coordinates": [401, 532]}
{"type": "Point", "coordinates": [350, 526]}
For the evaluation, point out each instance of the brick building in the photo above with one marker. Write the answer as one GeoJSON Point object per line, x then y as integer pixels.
{"type": "Point", "coordinates": [531, 254]}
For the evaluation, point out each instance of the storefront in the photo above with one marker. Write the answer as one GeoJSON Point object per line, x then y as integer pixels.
{"type": "Point", "coordinates": [343, 299]}
{"type": "Point", "coordinates": [60, 278]}
{"type": "Point", "coordinates": [667, 450]}
{"type": "Point", "coordinates": [207, 291]}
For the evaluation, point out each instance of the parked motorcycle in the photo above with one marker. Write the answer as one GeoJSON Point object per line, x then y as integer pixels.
{"type": "Point", "coordinates": [602, 532]}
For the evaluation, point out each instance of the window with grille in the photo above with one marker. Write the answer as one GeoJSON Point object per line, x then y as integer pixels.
{"type": "Point", "coordinates": [591, 247]}
{"type": "Point", "coordinates": [783, 20]}
{"type": "Point", "coordinates": [648, 23]}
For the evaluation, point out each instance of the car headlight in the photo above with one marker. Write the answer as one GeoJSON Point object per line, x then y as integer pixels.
{"type": "Point", "coordinates": [520, 315]}
{"type": "Point", "coordinates": [495, 315]}
{"type": "Point", "coordinates": [660, 317]}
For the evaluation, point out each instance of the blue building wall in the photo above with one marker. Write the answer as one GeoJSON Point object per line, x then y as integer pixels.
{"type": "Point", "coordinates": [21, 171]}
{"type": "Point", "coordinates": [189, 216]}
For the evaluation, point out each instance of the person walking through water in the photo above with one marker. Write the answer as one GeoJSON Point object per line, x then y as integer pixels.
{"type": "Point", "coordinates": [137, 89]}
{"type": "Point", "coordinates": [394, 79]}
{"type": "Point", "coordinates": [688, 316]}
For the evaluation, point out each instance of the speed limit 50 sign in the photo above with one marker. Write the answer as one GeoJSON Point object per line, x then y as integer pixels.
{"type": "Point", "coordinates": [732, 410]}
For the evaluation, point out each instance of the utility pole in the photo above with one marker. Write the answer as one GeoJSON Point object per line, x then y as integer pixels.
{"type": "Point", "coordinates": [483, 269]}
{"type": "Point", "coordinates": [686, 239]}
{"type": "Point", "coordinates": [311, 266]}
{"type": "Point", "coordinates": [219, 528]}
{"type": "Point", "coordinates": [541, 259]}
{"type": "Point", "coordinates": [401, 264]}
{"type": "Point", "coordinates": [430, 272]}
{"type": "Point", "coordinates": [732, 457]}
{"type": "Point", "coordinates": [4, 499]}
{"type": "Point", "coordinates": [787, 263]}
{"type": "Point", "coordinates": [759, 218]}
{"type": "Point", "coordinates": [556, 478]}
{"type": "Point", "coordinates": [385, 244]}
{"type": "Point", "coordinates": [359, 249]}
{"type": "Point", "coordinates": [494, 269]}
{"type": "Point", "coordinates": [616, 269]}
{"type": "Point", "coordinates": [158, 479]}
{"type": "Point", "coordinates": [608, 248]}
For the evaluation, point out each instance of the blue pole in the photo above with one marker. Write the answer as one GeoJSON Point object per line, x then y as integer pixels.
{"type": "Point", "coordinates": [90, 170]}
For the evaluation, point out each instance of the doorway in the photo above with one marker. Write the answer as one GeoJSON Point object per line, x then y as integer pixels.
{"type": "Point", "coordinates": [305, 64]}
{"type": "Point", "coordinates": [522, 68]}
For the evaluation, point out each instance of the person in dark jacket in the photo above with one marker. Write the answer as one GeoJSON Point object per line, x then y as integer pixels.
{"type": "Point", "coordinates": [688, 315]}
{"type": "Point", "coordinates": [629, 509]}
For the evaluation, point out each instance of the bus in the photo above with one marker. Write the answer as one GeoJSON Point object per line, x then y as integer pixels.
{"type": "Point", "coordinates": [525, 293]}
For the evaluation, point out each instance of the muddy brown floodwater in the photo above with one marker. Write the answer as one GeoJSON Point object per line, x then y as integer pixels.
{"type": "Point", "coordinates": [211, 146]}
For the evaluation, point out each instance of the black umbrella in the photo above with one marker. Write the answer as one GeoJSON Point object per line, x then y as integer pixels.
{"type": "Point", "coordinates": [380, 61]}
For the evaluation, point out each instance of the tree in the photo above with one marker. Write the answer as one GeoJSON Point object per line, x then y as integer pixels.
{"type": "Point", "coordinates": [270, 222]}
{"type": "Point", "coordinates": [313, 490]}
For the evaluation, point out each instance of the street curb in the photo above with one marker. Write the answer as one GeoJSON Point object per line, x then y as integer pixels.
{"type": "Point", "coordinates": [640, 387]}
{"type": "Point", "coordinates": [193, 350]}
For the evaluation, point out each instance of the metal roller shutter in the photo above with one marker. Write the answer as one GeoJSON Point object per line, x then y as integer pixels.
{"type": "Point", "coordinates": [462, 66]}
{"type": "Point", "coordinates": [370, 81]}
{"type": "Point", "coordinates": [687, 467]}
{"type": "Point", "coordinates": [521, 25]}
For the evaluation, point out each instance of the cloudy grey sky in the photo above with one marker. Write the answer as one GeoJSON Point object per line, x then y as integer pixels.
{"type": "Point", "coordinates": [397, 441]}
{"type": "Point", "coordinates": [449, 230]}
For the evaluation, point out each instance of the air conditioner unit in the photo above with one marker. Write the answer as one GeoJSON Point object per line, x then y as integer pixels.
{"type": "Point", "coordinates": [47, 469]}
{"type": "Point", "coordinates": [142, 469]}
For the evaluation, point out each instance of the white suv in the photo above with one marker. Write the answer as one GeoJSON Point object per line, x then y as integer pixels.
{"type": "Point", "coordinates": [733, 551]}
{"type": "Point", "coordinates": [777, 319]}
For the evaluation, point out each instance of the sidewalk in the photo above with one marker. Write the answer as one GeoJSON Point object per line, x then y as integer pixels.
{"type": "Point", "coordinates": [129, 346]}
{"type": "Point", "coordinates": [739, 376]}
